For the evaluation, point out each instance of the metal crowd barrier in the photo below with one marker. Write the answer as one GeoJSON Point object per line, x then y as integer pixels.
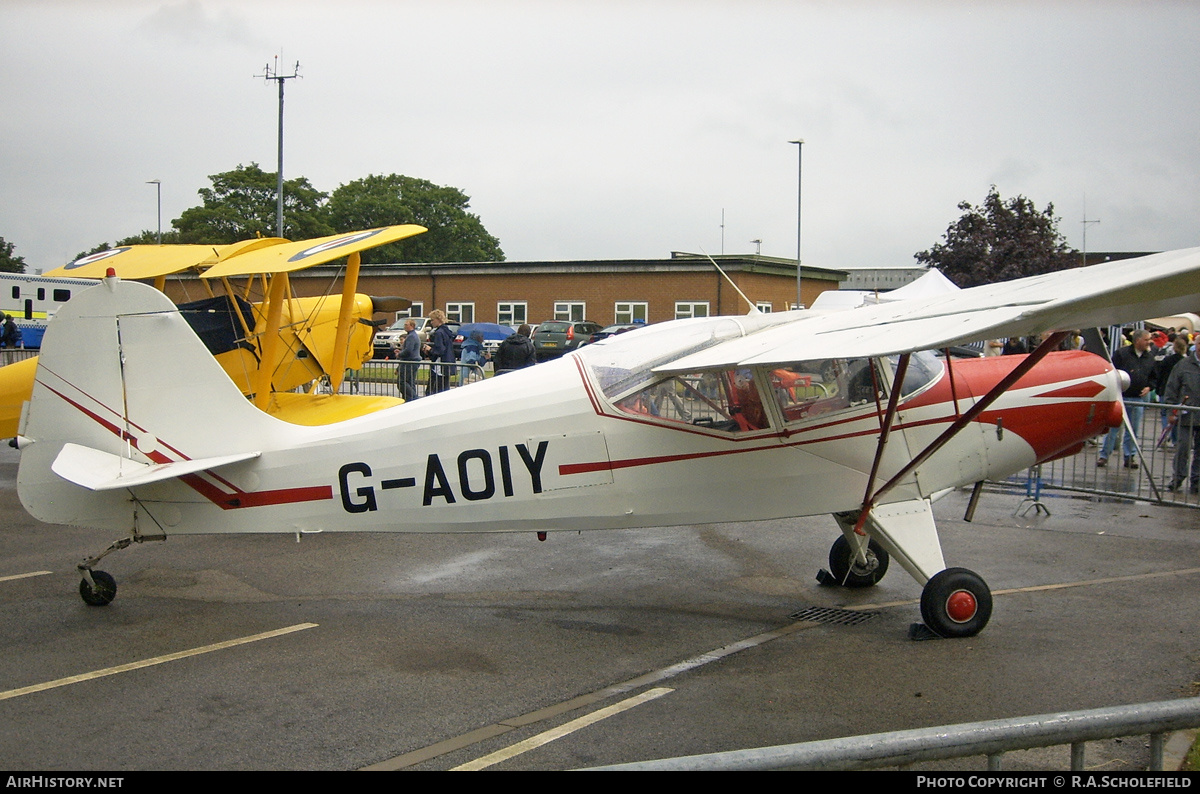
{"type": "Point", "coordinates": [11, 355]}
{"type": "Point", "coordinates": [992, 739]}
{"type": "Point", "coordinates": [1157, 443]}
{"type": "Point", "coordinates": [410, 379]}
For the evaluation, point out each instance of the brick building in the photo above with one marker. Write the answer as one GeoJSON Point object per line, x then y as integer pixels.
{"type": "Point", "coordinates": [603, 291]}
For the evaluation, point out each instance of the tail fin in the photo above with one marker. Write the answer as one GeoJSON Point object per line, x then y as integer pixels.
{"type": "Point", "coordinates": [124, 387]}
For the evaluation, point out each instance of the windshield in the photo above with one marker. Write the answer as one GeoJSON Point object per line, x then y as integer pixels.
{"type": "Point", "coordinates": [924, 368]}
{"type": "Point", "coordinates": [624, 362]}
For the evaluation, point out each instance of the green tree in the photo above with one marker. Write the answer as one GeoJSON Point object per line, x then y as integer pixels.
{"type": "Point", "coordinates": [8, 262]}
{"type": "Point", "coordinates": [241, 204]}
{"type": "Point", "coordinates": [998, 241]}
{"type": "Point", "coordinates": [454, 235]}
{"type": "Point", "coordinates": [147, 237]}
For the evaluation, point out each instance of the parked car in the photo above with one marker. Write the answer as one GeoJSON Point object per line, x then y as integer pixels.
{"type": "Point", "coordinates": [493, 335]}
{"type": "Point", "coordinates": [392, 337]}
{"type": "Point", "coordinates": [388, 341]}
{"type": "Point", "coordinates": [613, 330]}
{"type": "Point", "coordinates": [553, 338]}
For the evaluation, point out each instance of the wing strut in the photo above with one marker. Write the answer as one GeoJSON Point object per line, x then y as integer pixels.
{"type": "Point", "coordinates": [349, 287]}
{"type": "Point", "coordinates": [270, 339]}
{"type": "Point", "coordinates": [1050, 343]}
{"type": "Point", "coordinates": [884, 431]}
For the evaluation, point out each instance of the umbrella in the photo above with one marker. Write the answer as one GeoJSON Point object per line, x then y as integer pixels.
{"type": "Point", "coordinates": [490, 331]}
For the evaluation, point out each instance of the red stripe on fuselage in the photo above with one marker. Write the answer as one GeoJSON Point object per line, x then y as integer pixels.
{"type": "Point", "coordinates": [226, 501]}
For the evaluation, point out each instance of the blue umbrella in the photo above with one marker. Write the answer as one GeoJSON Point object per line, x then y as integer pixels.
{"type": "Point", "coordinates": [490, 331]}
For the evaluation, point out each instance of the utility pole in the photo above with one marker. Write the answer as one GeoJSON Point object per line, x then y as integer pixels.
{"type": "Point", "coordinates": [270, 73]}
{"type": "Point", "coordinates": [158, 187]}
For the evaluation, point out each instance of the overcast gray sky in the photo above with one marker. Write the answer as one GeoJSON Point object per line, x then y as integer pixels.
{"type": "Point", "coordinates": [616, 129]}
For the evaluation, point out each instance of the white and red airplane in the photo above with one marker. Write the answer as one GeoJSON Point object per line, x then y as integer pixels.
{"type": "Point", "coordinates": [134, 427]}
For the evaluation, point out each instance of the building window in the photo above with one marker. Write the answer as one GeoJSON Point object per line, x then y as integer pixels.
{"type": "Point", "coordinates": [685, 309]}
{"type": "Point", "coordinates": [460, 312]}
{"type": "Point", "coordinates": [570, 311]}
{"type": "Point", "coordinates": [416, 310]}
{"type": "Point", "coordinates": [630, 312]}
{"type": "Point", "coordinates": [765, 308]}
{"type": "Point", "coordinates": [513, 313]}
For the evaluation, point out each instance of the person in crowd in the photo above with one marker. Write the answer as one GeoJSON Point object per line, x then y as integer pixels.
{"type": "Point", "coordinates": [410, 358]}
{"type": "Point", "coordinates": [1137, 360]}
{"type": "Point", "coordinates": [515, 352]}
{"type": "Point", "coordinates": [440, 350]}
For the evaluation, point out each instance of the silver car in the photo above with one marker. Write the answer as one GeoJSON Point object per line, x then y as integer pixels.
{"type": "Point", "coordinates": [392, 338]}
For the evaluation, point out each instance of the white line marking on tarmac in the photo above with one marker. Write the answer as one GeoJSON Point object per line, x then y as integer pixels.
{"type": "Point", "coordinates": [533, 742]}
{"type": "Point", "coordinates": [171, 657]}
{"type": "Point", "coordinates": [24, 575]}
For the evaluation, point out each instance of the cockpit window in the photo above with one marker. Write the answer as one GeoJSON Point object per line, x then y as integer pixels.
{"type": "Point", "coordinates": [924, 368]}
{"type": "Point", "coordinates": [625, 363]}
{"type": "Point", "coordinates": [727, 401]}
{"type": "Point", "coordinates": [806, 389]}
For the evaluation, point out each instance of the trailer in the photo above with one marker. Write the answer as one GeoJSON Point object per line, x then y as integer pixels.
{"type": "Point", "coordinates": [32, 301]}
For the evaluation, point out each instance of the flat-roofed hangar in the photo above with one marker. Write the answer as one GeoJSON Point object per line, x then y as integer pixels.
{"type": "Point", "coordinates": [603, 291]}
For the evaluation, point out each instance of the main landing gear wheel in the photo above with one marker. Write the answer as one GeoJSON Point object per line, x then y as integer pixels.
{"type": "Point", "coordinates": [102, 594]}
{"type": "Point", "coordinates": [956, 603]}
{"type": "Point", "coordinates": [846, 571]}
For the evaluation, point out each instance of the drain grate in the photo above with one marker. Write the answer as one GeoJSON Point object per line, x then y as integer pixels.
{"type": "Point", "coordinates": [840, 617]}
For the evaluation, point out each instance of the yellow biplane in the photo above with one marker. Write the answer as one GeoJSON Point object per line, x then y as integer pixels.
{"type": "Point", "coordinates": [269, 347]}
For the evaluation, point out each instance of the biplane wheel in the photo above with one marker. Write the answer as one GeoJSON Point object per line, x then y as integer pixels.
{"type": "Point", "coordinates": [103, 593]}
{"type": "Point", "coordinates": [848, 572]}
{"type": "Point", "coordinates": [956, 603]}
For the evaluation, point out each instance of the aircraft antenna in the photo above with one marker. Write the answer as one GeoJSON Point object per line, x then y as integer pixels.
{"type": "Point", "coordinates": [1085, 223]}
{"type": "Point", "coordinates": [270, 73]}
{"type": "Point", "coordinates": [753, 308]}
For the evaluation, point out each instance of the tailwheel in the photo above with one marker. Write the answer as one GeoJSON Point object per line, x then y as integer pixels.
{"type": "Point", "coordinates": [100, 591]}
{"type": "Point", "coordinates": [956, 603]}
{"type": "Point", "coordinates": [847, 571]}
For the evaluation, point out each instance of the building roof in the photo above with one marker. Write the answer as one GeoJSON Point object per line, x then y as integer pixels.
{"type": "Point", "coordinates": [679, 262]}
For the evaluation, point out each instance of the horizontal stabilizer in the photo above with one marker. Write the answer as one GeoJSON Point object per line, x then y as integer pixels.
{"type": "Point", "coordinates": [102, 471]}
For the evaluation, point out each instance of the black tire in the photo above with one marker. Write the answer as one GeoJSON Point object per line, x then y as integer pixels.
{"type": "Point", "coordinates": [104, 592]}
{"type": "Point", "coordinates": [854, 575]}
{"type": "Point", "coordinates": [956, 603]}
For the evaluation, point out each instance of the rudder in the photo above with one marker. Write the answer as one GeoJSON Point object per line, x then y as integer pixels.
{"type": "Point", "coordinates": [121, 372]}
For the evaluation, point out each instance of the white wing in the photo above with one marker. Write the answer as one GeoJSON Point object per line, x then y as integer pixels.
{"type": "Point", "coordinates": [1100, 295]}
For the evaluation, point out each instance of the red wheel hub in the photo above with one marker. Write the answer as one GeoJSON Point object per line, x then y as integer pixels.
{"type": "Point", "coordinates": [961, 606]}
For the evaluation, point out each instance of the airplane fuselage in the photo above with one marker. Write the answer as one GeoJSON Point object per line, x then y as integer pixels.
{"type": "Point", "coordinates": [545, 449]}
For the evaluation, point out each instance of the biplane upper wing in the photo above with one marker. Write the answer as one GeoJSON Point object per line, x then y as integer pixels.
{"type": "Point", "coordinates": [1099, 295]}
{"type": "Point", "coordinates": [138, 262]}
{"type": "Point", "coordinates": [288, 257]}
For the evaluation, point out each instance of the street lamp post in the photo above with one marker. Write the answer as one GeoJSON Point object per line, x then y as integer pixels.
{"type": "Point", "coordinates": [799, 192]}
{"type": "Point", "coordinates": [158, 187]}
